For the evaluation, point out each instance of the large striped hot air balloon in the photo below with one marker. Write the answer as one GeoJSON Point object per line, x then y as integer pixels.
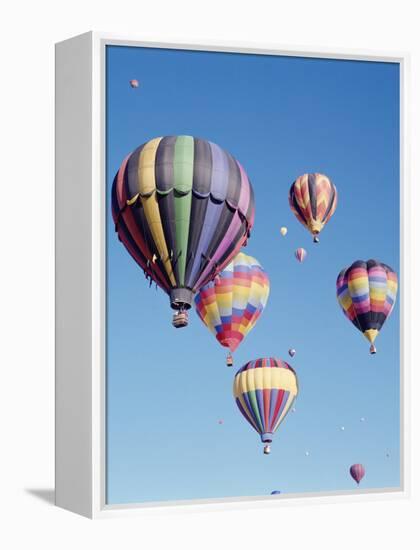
{"type": "Point", "coordinates": [264, 391]}
{"type": "Point", "coordinates": [231, 304]}
{"type": "Point", "coordinates": [183, 207]}
{"type": "Point", "coordinates": [366, 292]}
{"type": "Point", "coordinates": [313, 200]}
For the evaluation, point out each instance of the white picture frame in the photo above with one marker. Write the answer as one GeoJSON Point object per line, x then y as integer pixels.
{"type": "Point", "coordinates": [80, 277]}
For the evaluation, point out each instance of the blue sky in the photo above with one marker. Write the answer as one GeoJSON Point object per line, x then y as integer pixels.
{"type": "Point", "coordinates": [166, 388]}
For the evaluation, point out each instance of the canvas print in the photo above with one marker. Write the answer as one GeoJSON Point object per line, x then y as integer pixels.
{"type": "Point", "coordinates": [252, 275]}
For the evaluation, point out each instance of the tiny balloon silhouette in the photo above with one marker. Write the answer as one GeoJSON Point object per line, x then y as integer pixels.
{"type": "Point", "coordinates": [292, 352]}
{"type": "Point", "coordinates": [134, 83]}
{"type": "Point", "coordinates": [300, 254]}
{"type": "Point", "coordinates": [357, 472]}
{"type": "Point", "coordinates": [276, 492]}
{"type": "Point", "coordinates": [220, 421]}
{"type": "Point", "coordinates": [283, 231]}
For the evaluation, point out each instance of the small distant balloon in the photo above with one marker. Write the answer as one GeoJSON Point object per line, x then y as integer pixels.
{"type": "Point", "coordinates": [357, 472]}
{"type": "Point", "coordinates": [220, 421]}
{"type": "Point", "coordinates": [307, 453]}
{"type": "Point", "coordinates": [387, 455]}
{"type": "Point", "coordinates": [283, 231]}
{"type": "Point", "coordinates": [300, 254]}
{"type": "Point", "coordinates": [313, 200]}
{"type": "Point", "coordinates": [342, 428]}
{"type": "Point", "coordinates": [134, 83]}
{"type": "Point", "coordinates": [292, 352]}
{"type": "Point", "coordinates": [293, 410]}
{"type": "Point", "coordinates": [366, 292]}
{"type": "Point", "coordinates": [276, 492]}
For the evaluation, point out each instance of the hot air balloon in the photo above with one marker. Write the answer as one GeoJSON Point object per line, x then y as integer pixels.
{"type": "Point", "coordinates": [300, 254]}
{"type": "Point", "coordinates": [183, 207]}
{"type": "Point", "coordinates": [357, 472]}
{"type": "Point", "coordinates": [134, 83]}
{"type": "Point", "coordinates": [292, 352]}
{"type": "Point", "coordinates": [231, 304]}
{"type": "Point", "coordinates": [366, 292]}
{"type": "Point", "coordinates": [283, 231]}
{"type": "Point", "coordinates": [275, 493]}
{"type": "Point", "coordinates": [313, 200]}
{"type": "Point", "coordinates": [264, 391]}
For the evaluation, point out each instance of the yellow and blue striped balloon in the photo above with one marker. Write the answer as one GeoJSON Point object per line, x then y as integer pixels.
{"type": "Point", "coordinates": [265, 390]}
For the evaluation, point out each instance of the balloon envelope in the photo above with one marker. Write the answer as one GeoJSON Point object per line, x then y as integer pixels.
{"type": "Point", "coordinates": [300, 254]}
{"type": "Point", "coordinates": [283, 231]}
{"type": "Point", "coordinates": [183, 207]}
{"type": "Point", "coordinates": [134, 83]}
{"type": "Point", "coordinates": [264, 391]}
{"type": "Point", "coordinates": [232, 303]}
{"type": "Point", "coordinates": [357, 472]}
{"type": "Point", "coordinates": [292, 352]}
{"type": "Point", "coordinates": [313, 200]}
{"type": "Point", "coordinates": [366, 292]}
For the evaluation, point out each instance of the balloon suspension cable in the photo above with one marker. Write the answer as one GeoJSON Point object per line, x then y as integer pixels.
{"type": "Point", "coordinates": [180, 319]}
{"type": "Point", "coordinates": [267, 450]}
{"type": "Point", "coordinates": [372, 350]}
{"type": "Point", "coordinates": [229, 360]}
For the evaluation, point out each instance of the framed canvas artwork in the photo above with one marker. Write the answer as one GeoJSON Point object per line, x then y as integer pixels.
{"type": "Point", "coordinates": [230, 280]}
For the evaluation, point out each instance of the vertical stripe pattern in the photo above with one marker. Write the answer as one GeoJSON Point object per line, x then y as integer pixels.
{"type": "Point", "coordinates": [183, 207]}
{"type": "Point", "coordinates": [357, 472]}
{"type": "Point", "coordinates": [300, 254]}
{"type": "Point", "coordinates": [264, 391]}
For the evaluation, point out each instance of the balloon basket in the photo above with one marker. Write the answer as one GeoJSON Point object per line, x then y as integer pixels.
{"type": "Point", "coordinates": [229, 360]}
{"type": "Point", "coordinates": [267, 450]}
{"type": "Point", "coordinates": [372, 350]}
{"type": "Point", "coordinates": [180, 319]}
